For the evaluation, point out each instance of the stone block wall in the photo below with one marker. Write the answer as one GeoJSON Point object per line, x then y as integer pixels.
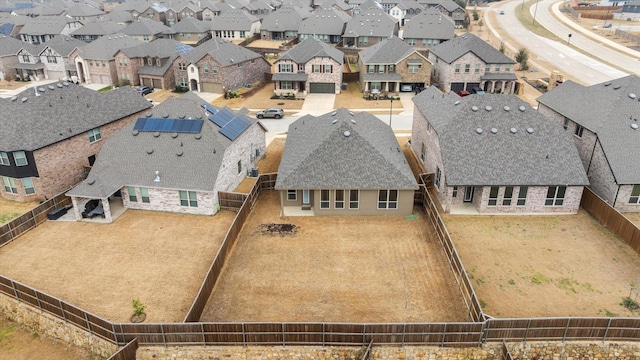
{"type": "Point", "coordinates": [423, 134]}
{"type": "Point", "coordinates": [131, 68]}
{"type": "Point", "coordinates": [161, 199]}
{"type": "Point", "coordinates": [574, 350]}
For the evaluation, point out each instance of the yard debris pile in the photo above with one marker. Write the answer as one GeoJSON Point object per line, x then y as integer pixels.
{"type": "Point", "coordinates": [282, 229]}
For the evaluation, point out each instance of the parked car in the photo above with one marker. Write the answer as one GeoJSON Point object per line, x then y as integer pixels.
{"type": "Point", "coordinates": [270, 113]}
{"type": "Point", "coordinates": [583, 3]}
{"type": "Point", "coordinates": [463, 93]}
{"type": "Point", "coordinates": [406, 87]}
{"type": "Point", "coordinates": [501, 12]}
{"type": "Point", "coordinates": [477, 90]}
{"type": "Point", "coordinates": [144, 90]}
{"type": "Point", "coordinates": [607, 25]}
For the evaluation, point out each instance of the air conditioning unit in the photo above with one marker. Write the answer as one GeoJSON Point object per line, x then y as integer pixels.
{"type": "Point", "coordinates": [254, 172]}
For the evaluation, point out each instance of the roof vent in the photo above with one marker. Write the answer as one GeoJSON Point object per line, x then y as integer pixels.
{"type": "Point", "coordinates": [179, 153]}
{"type": "Point", "coordinates": [51, 87]}
{"type": "Point", "coordinates": [59, 85]}
{"type": "Point", "coordinates": [530, 130]}
{"type": "Point", "coordinates": [632, 96]}
{"type": "Point", "coordinates": [616, 87]}
{"type": "Point", "coordinates": [156, 134]}
{"type": "Point", "coordinates": [474, 108]}
{"type": "Point", "coordinates": [522, 108]}
{"type": "Point", "coordinates": [174, 135]}
{"type": "Point", "coordinates": [494, 130]}
{"type": "Point", "coordinates": [634, 126]}
{"type": "Point", "coordinates": [165, 115]}
{"type": "Point", "coordinates": [14, 98]}
{"type": "Point", "coordinates": [457, 102]}
{"type": "Point", "coordinates": [24, 99]}
{"type": "Point", "coordinates": [479, 130]}
{"type": "Point", "coordinates": [157, 179]}
{"type": "Point", "coordinates": [148, 114]}
{"type": "Point", "coordinates": [347, 133]}
{"type": "Point", "coordinates": [135, 132]}
{"type": "Point", "coordinates": [181, 116]}
{"type": "Point", "coordinates": [150, 151]}
{"type": "Point", "coordinates": [488, 108]}
{"type": "Point", "coordinates": [334, 113]}
{"type": "Point", "coordinates": [607, 83]}
{"type": "Point", "coordinates": [353, 121]}
{"type": "Point", "coordinates": [350, 113]}
{"type": "Point", "coordinates": [514, 130]}
{"type": "Point", "coordinates": [198, 136]}
{"type": "Point", "coordinates": [41, 89]}
{"type": "Point", "coordinates": [65, 83]}
{"type": "Point", "coordinates": [334, 121]}
{"type": "Point", "coordinates": [91, 181]}
{"type": "Point", "coordinates": [506, 108]}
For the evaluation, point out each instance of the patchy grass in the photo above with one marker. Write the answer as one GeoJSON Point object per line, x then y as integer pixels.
{"type": "Point", "coordinates": [525, 17]}
{"type": "Point", "coordinates": [11, 209]}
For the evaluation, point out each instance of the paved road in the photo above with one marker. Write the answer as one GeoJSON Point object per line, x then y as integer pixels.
{"type": "Point", "coordinates": [561, 56]}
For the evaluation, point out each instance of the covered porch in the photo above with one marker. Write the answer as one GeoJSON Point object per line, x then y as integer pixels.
{"type": "Point", "coordinates": [290, 83]}
{"type": "Point", "coordinates": [107, 210]}
{"type": "Point", "coordinates": [26, 71]}
{"type": "Point", "coordinates": [381, 83]}
{"type": "Point", "coordinates": [501, 83]}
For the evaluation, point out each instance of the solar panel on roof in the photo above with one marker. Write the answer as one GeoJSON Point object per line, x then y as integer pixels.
{"type": "Point", "coordinates": [210, 109]}
{"type": "Point", "coordinates": [168, 125]}
{"type": "Point", "coordinates": [235, 127]}
{"type": "Point", "coordinates": [183, 49]}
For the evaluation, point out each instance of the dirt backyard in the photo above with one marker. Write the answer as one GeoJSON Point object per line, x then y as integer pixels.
{"type": "Point", "coordinates": [158, 258]}
{"type": "Point", "coordinates": [12, 209]}
{"type": "Point", "coordinates": [335, 269]}
{"type": "Point", "coordinates": [539, 266]}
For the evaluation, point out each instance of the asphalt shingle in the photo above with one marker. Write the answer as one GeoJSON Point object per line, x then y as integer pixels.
{"type": "Point", "coordinates": [310, 48]}
{"type": "Point", "coordinates": [450, 51]}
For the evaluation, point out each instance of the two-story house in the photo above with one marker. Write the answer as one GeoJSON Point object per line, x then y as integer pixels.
{"type": "Point", "coordinates": [405, 10]}
{"type": "Point", "coordinates": [369, 27]}
{"type": "Point", "coordinates": [9, 49]}
{"type": "Point", "coordinates": [283, 24]}
{"type": "Point", "coordinates": [84, 13]}
{"type": "Point", "coordinates": [467, 62]}
{"type": "Point", "coordinates": [96, 29]}
{"type": "Point", "coordinates": [95, 62]}
{"type": "Point", "coordinates": [604, 123]}
{"type": "Point", "coordinates": [146, 30]}
{"type": "Point", "coordinates": [387, 65]}
{"type": "Point", "coordinates": [189, 30]}
{"type": "Point", "coordinates": [29, 66]}
{"type": "Point", "coordinates": [66, 124]}
{"type": "Point", "coordinates": [43, 28]}
{"type": "Point", "coordinates": [55, 57]}
{"type": "Point", "coordinates": [235, 26]}
{"type": "Point", "coordinates": [141, 9]}
{"type": "Point", "coordinates": [312, 66]}
{"type": "Point", "coordinates": [325, 25]}
{"type": "Point", "coordinates": [428, 29]}
{"type": "Point", "coordinates": [218, 65]}
{"type": "Point", "coordinates": [449, 8]}
{"type": "Point", "coordinates": [178, 10]}
{"type": "Point", "coordinates": [495, 154]}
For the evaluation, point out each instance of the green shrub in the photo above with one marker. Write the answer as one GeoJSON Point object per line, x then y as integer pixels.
{"type": "Point", "coordinates": [138, 307]}
{"type": "Point", "coordinates": [629, 303]}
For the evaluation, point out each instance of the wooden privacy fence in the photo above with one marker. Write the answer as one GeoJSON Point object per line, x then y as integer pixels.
{"type": "Point", "coordinates": [628, 36]}
{"type": "Point", "coordinates": [506, 354]}
{"type": "Point", "coordinates": [31, 219]}
{"type": "Point", "coordinates": [127, 352]}
{"type": "Point", "coordinates": [611, 218]}
{"type": "Point", "coordinates": [210, 279]}
{"type": "Point", "coordinates": [459, 272]}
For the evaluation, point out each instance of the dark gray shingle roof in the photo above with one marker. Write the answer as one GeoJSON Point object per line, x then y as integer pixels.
{"type": "Point", "coordinates": [189, 25]}
{"type": "Point", "coordinates": [371, 22]}
{"type": "Point", "coordinates": [318, 155]}
{"type": "Point", "coordinates": [62, 44]}
{"type": "Point", "coordinates": [10, 46]}
{"type": "Point", "coordinates": [310, 48]}
{"type": "Point", "coordinates": [287, 18]}
{"type": "Point", "coordinates": [99, 27]}
{"type": "Point", "coordinates": [226, 53]}
{"type": "Point", "coordinates": [233, 20]}
{"type": "Point", "coordinates": [389, 51]}
{"type": "Point", "coordinates": [106, 47]}
{"type": "Point", "coordinates": [430, 24]}
{"type": "Point", "coordinates": [145, 27]}
{"type": "Point", "coordinates": [80, 10]}
{"type": "Point", "coordinates": [325, 22]}
{"type": "Point", "coordinates": [451, 50]}
{"type": "Point", "coordinates": [608, 111]}
{"type": "Point", "coordinates": [46, 25]}
{"type": "Point", "coordinates": [546, 156]}
{"type": "Point", "coordinates": [59, 114]}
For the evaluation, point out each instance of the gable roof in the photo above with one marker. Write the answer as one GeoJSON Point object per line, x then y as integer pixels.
{"type": "Point", "coordinates": [62, 44]}
{"type": "Point", "coordinates": [145, 27]}
{"type": "Point", "coordinates": [62, 112]}
{"type": "Point", "coordinates": [607, 109]}
{"type": "Point", "coordinates": [99, 27]}
{"type": "Point", "coordinates": [310, 48]}
{"type": "Point", "coordinates": [224, 52]}
{"type": "Point", "coordinates": [325, 22]}
{"type": "Point", "coordinates": [45, 25]}
{"type": "Point", "coordinates": [79, 10]}
{"type": "Point", "coordinates": [105, 47]}
{"type": "Point", "coordinates": [190, 25]}
{"type": "Point", "coordinates": [430, 24]}
{"type": "Point", "coordinates": [448, 5]}
{"type": "Point", "coordinates": [164, 49]}
{"type": "Point", "coordinates": [196, 168]}
{"type": "Point", "coordinates": [233, 20]}
{"type": "Point", "coordinates": [10, 46]}
{"type": "Point", "coordinates": [287, 18]}
{"type": "Point", "coordinates": [450, 51]}
{"type": "Point", "coordinates": [388, 51]}
{"type": "Point", "coordinates": [539, 153]}
{"type": "Point", "coordinates": [318, 154]}
{"type": "Point", "coordinates": [371, 22]}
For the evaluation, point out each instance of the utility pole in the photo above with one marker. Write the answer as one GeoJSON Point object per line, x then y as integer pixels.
{"type": "Point", "coordinates": [390, 112]}
{"type": "Point", "coordinates": [569, 40]}
{"type": "Point", "coordinates": [534, 13]}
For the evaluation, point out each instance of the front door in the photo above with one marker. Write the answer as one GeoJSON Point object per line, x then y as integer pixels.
{"type": "Point", "coordinates": [468, 194]}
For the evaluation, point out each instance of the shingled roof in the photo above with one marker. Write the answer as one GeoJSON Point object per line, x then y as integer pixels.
{"type": "Point", "coordinates": [62, 44]}
{"type": "Point", "coordinates": [226, 53]}
{"type": "Point", "coordinates": [607, 109]}
{"type": "Point", "coordinates": [371, 22]}
{"type": "Point", "coordinates": [10, 46]}
{"type": "Point", "coordinates": [388, 51]}
{"type": "Point", "coordinates": [498, 140]}
{"type": "Point", "coordinates": [325, 22]}
{"type": "Point", "coordinates": [195, 168]}
{"type": "Point", "coordinates": [310, 48]}
{"type": "Point", "coordinates": [99, 27]}
{"type": "Point", "coordinates": [430, 24]}
{"type": "Point", "coordinates": [31, 121]}
{"type": "Point", "coordinates": [145, 27]}
{"type": "Point", "coordinates": [450, 51]}
{"type": "Point", "coordinates": [233, 20]}
{"type": "Point", "coordinates": [105, 47]}
{"type": "Point", "coordinates": [343, 150]}
{"type": "Point", "coordinates": [190, 25]}
{"type": "Point", "coordinates": [287, 18]}
{"type": "Point", "coordinates": [165, 49]}
{"type": "Point", "coordinates": [46, 25]}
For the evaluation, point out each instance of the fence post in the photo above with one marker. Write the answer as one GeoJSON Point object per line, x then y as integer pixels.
{"type": "Point", "coordinates": [364, 334]}
{"type": "Point", "coordinates": [444, 332]}
{"type": "Point", "coordinates": [486, 332]}
{"type": "Point", "coordinates": [15, 292]}
{"type": "Point", "coordinates": [404, 332]}
{"type": "Point", "coordinates": [606, 332]}
{"type": "Point", "coordinates": [323, 335]}
{"type": "Point", "coordinates": [62, 310]}
{"type": "Point", "coordinates": [86, 319]}
{"type": "Point", "coordinates": [164, 338]}
{"type": "Point", "coordinates": [38, 300]}
{"type": "Point", "coordinates": [113, 330]}
{"type": "Point", "coordinates": [481, 334]}
{"type": "Point", "coordinates": [244, 337]}
{"type": "Point", "coordinates": [204, 338]}
{"type": "Point", "coordinates": [564, 336]}
{"type": "Point", "coordinates": [526, 333]}
{"type": "Point", "coordinates": [283, 335]}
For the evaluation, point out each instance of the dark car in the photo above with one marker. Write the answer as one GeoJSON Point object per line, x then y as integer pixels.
{"type": "Point", "coordinates": [144, 90]}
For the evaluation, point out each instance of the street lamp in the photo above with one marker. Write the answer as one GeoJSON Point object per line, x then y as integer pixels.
{"type": "Point", "coordinates": [390, 112]}
{"type": "Point", "coordinates": [534, 13]}
{"type": "Point", "coordinates": [569, 40]}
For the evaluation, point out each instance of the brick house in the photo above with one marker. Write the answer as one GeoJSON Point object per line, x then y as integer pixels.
{"type": "Point", "coordinates": [387, 65]}
{"type": "Point", "coordinates": [404, 10]}
{"type": "Point", "coordinates": [494, 154]}
{"type": "Point", "coordinates": [235, 26]}
{"type": "Point", "coordinates": [189, 30]}
{"type": "Point", "coordinates": [84, 13]}
{"type": "Point", "coordinates": [604, 121]}
{"type": "Point", "coordinates": [428, 29]}
{"type": "Point", "coordinates": [369, 177]}
{"type": "Point", "coordinates": [451, 9]}
{"type": "Point", "coordinates": [146, 30]}
{"type": "Point", "coordinates": [9, 48]}
{"type": "Point", "coordinates": [51, 160]}
{"type": "Point", "coordinates": [178, 171]}
{"type": "Point", "coordinates": [369, 27]}
{"type": "Point", "coordinates": [44, 28]}
{"type": "Point", "coordinates": [150, 64]}
{"type": "Point", "coordinates": [29, 65]}
{"type": "Point", "coordinates": [141, 9]}
{"type": "Point", "coordinates": [217, 66]}
{"type": "Point", "coordinates": [96, 29]}
{"type": "Point", "coordinates": [178, 10]}
{"type": "Point", "coordinates": [468, 62]}
{"type": "Point", "coordinates": [311, 66]}
{"type": "Point", "coordinates": [55, 57]}
{"type": "Point", "coordinates": [283, 24]}
{"type": "Point", "coordinates": [324, 24]}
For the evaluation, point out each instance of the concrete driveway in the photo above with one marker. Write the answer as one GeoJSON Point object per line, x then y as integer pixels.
{"type": "Point", "coordinates": [318, 104]}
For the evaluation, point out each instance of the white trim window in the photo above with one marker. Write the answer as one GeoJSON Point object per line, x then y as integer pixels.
{"type": "Point", "coordinates": [354, 199]}
{"type": "Point", "coordinates": [522, 196]}
{"type": "Point", "coordinates": [20, 158]}
{"type": "Point", "coordinates": [4, 158]}
{"type": "Point", "coordinates": [493, 196]}
{"type": "Point", "coordinates": [27, 184]}
{"type": "Point", "coordinates": [144, 195]}
{"type": "Point", "coordinates": [387, 199]}
{"type": "Point", "coordinates": [132, 194]}
{"type": "Point", "coordinates": [9, 185]}
{"type": "Point", "coordinates": [325, 202]}
{"type": "Point", "coordinates": [292, 195]}
{"type": "Point", "coordinates": [555, 195]}
{"type": "Point", "coordinates": [635, 195]}
{"type": "Point", "coordinates": [508, 195]}
{"type": "Point", "coordinates": [188, 198]}
{"type": "Point", "coordinates": [339, 199]}
{"type": "Point", "coordinates": [413, 68]}
{"type": "Point", "coordinates": [94, 135]}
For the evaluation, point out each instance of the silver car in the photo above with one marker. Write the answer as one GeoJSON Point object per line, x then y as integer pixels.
{"type": "Point", "coordinates": [270, 113]}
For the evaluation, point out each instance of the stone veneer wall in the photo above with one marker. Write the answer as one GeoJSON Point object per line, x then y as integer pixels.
{"type": "Point", "coordinates": [54, 327]}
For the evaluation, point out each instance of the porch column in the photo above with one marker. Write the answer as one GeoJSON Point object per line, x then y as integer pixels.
{"type": "Point", "coordinates": [482, 84]}
{"type": "Point", "coordinates": [502, 88]}
{"type": "Point", "coordinates": [493, 86]}
{"type": "Point", "coordinates": [513, 87]}
{"type": "Point", "coordinates": [107, 209]}
{"type": "Point", "coordinates": [76, 208]}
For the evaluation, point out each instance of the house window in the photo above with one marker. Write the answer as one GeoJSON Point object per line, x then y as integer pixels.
{"type": "Point", "coordinates": [286, 68]}
{"type": "Point", "coordinates": [438, 175]}
{"type": "Point", "coordinates": [507, 68]}
{"type": "Point", "coordinates": [20, 158]}
{"type": "Point", "coordinates": [387, 199]}
{"type": "Point", "coordinates": [339, 199]}
{"type": "Point", "coordinates": [286, 85]}
{"type": "Point", "coordinates": [205, 69]}
{"type": "Point", "coordinates": [579, 130]}
{"type": "Point", "coordinates": [493, 196]}
{"type": "Point", "coordinates": [381, 69]}
{"type": "Point", "coordinates": [183, 82]}
{"type": "Point", "coordinates": [413, 69]}
{"type": "Point", "coordinates": [328, 68]}
{"type": "Point", "coordinates": [467, 68]}
{"type": "Point", "coordinates": [242, 34]}
{"type": "Point", "coordinates": [487, 68]}
{"type": "Point", "coordinates": [240, 65]}
{"type": "Point", "coordinates": [354, 196]}
{"type": "Point", "coordinates": [158, 62]}
{"type": "Point", "coordinates": [508, 194]}
{"type": "Point", "coordinates": [566, 123]}
{"type": "Point", "coordinates": [392, 68]}
{"type": "Point", "coordinates": [144, 194]}
{"type": "Point", "coordinates": [214, 69]}
{"type": "Point", "coordinates": [424, 42]}
{"type": "Point", "coordinates": [103, 63]}
{"type": "Point", "coordinates": [423, 150]}
{"type": "Point", "coordinates": [27, 184]}
{"type": "Point", "coordinates": [555, 195]}
{"type": "Point", "coordinates": [455, 192]}
{"type": "Point", "coordinates": [457, 68]}
{"type": "Point", "coordinates": [316, 68]}
{"type": "Point", "coordinates": [145, 37]}
{"type": "Point", "coordinates": [292, 195]}
{"type": "Point", "coordinates": [522, 196]}
{"type": "Point", "coordinates": [26, 58]}
{"type": "Point", "coordinates": [635, 195]}
{"type": "Point", "coordinates": [412, 42]}
{"type": "Point", "coordinates": [188, 198]}
{"type": "Point", "coordinates": [372, 69]}
{"type": "Point", "coordinates": [497, 67]}
{"type": "Point", "coordinates": [94, 135]}
{"type": "Point", "coordinates": [182, 66]}
{"type": "Point", "coordinates": [300, 67]}
{"type": "Point", "coordinates": [192, 70]}
{"type": "Point", "coordinates": [324, 199]}
{"type": "Point", "coordinates": [132, 194]}
{"type": "Point", "coordinates": [477, 69]}
{"type": "Point", "coordinates": [239, 166]}
{"type": "Point", "coordinates": [363, 40]}
{"type": "Point", "coordinates": [4, 158]}
{"type": "Point", "coordinates": [9, 185]}
{"type": "Point", "coordinates": [52, 60]}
